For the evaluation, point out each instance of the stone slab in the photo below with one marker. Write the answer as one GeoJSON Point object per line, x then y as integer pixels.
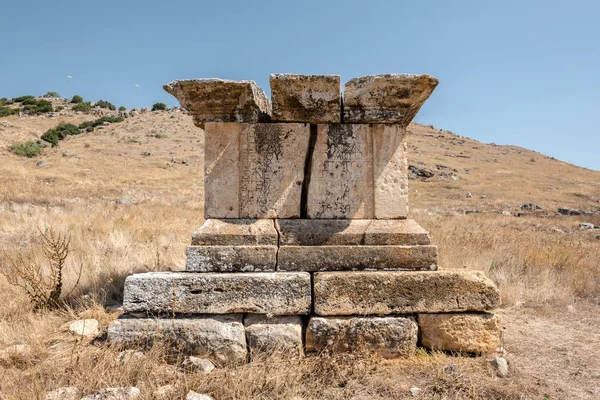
{"type": "Point", "coordinates": [400, 292]}
{"type": "Point", "coordinates": [306, 98]}
{"type": "Point", "coordinates": [388, 337]}
{"type": "Point", "coordinates": [350, 232]}
{"type": "Point", "coordinates": [464, 332]}
{"type": "Point", "coordinates": [386, 98]}
{"type": "Point", "coordinates": [275, 335]}
{"type": "Point", "coordinates": [390, 169]}
{"type": "Point", "coordinates": [272, 159]}
{"type": "Point", "coordinates": [349, 258]}
{"type": "Point", "coordinates": [222, 170]}
{"type": "Point", "coordinates": [275, 293]}
{"type": "Point", "coordinates": [231, 258]}
{"type": "Point", "coordinates": [236, 232]}
{"type": "Point", "coordinates": [219, 337]}
{"type": "Point", "coordinates": [221, 100]}
{"type": "Point", "coordinates": [341, 179]}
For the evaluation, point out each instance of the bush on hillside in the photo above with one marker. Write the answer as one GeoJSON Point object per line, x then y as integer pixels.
{"type": "Point", "coordinates": [21, 99]}
{"type": "Point", "coordinates": [105, 104]}
{"type": "Point", "coordinates": [59, 133]}
{"type": "Point", "coordinates": [83, 107]}
{"type": "Point", "coordinates": [5, 111]}
{"type": "Point", "coordinates": [90, 125]}
{"type": "Point", "coordinates": [52, 94]}
{"type": "Point", "coordinates": [3, 101]}
{"type": "Point", "coordinates": [122, 108]}
{"type": "Point", "coordinates": [29, 101]}
{"type": "Point", "coordinates": [159, 107]}
{"type": "Point", "coordinates": [77, 99]}
{"type": "Point", "coordinates": [26, 149]}
{"type": "Point", "coordinates": [43, 106]}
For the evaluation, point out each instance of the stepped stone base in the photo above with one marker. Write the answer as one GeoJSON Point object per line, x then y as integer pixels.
{"type": "Point", "coordinates": [399, 292]}
{"type": "Point", "coordinates": [231, 258]}
{"type": "Point", "coordinates": [282, 293]}
{"type": "Point", "coordinates": [388, 337]}
{"type": "Point", "coordinates": [469, 333]}
{"type": "Point", "coordinates": [219, 337]}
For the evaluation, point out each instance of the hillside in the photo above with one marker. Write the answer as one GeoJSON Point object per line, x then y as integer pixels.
{"type": "Point", "coordinates": [130, 195]}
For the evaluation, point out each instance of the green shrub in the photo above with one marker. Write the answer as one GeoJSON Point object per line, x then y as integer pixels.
{"type": "Point", "coordinates": [5, 111]}
{"type": "Point", "coordinates": [159, 107]}
{"type": "Point", "coordinates": [77, 99]}
{"type": "Point", "coordinates": [43, 106]}
{"type": "Point", "coordinates": [21, 99]}
{"type": "Point", "coordinates": [29, 101]}
{"type": "Point", "coordinates": [26, 149]}
{"type": "Point", "coordinates": [59, 108]}
{"type": "Point", "coordinates": [92, 124]}
{"type": "Point", "coordinates": [3, 101]}
{"type": "Point", "coordinates": [105, 104]}
{"type": "Point", "coordinates": [52, 94]}
{"type": "Point", "coordinates": [122, 108]}
{"type": "Point", "coordinates": [83, 107]}
{"type": "Point", "coordinates": [59, 133]}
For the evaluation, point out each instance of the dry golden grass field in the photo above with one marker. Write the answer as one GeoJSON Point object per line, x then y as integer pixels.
{"type": "Point", "coordinates": [128, 212]}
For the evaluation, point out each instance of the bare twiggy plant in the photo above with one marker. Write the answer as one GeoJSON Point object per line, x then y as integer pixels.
{"type": "Point", "coordinates": [43, 282]}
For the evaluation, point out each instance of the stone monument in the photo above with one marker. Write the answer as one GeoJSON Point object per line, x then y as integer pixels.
{"type": "Point", "coordinates": [306, 245]}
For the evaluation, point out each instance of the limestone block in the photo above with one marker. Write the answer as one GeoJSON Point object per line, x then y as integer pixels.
{"type": "Point", "coordinates": [275, 293]}
{"type": "Point", "coordinates": [348, 258]}
{"type": "Point", "coordinates": [386, 98]}
{"type": "Point", "coordinates": [272, 158]}
{"type": "Point", "coordinates": [405, 232]}
{"type": "Point", "coordinates": [222, 170]}
{"type": "Point", "coordinates": [64, 393]}
{"type": "Point", "coordinates": [218, 337]}
{"type": "Point", "coordinates": [306, 98]}
{"type": "Point", "coordinates": [231, 258]}
{"type": "Point", "coordinates": [389, 337]}
{"type": "Point", "coordinates": [221, 100]}
{"type": "Point", "coordinates": [399, 292]}
{"type": "Point", "coordinates": [390, 169]}
{"type": "Point", "coordinates": [341, 180]}
{"type": "Point", "coordinates": [470, 333]}
{"type": "Point", "coordinates": [274, 335]}
{"type": "Point", "coordinates": [350, 232]}
{"type": "Point", "coordinates": [116, 393]}
{"type": "Point", "coordinates": [236, 232]}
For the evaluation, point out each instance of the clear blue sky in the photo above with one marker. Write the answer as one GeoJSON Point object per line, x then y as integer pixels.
{"type": "Point", "coordinates": [521, 72]}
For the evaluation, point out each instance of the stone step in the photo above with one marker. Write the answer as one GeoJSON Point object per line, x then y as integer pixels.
{"type": "Point", "coordinates": [219, 337]}
{"type": "Point", "coordinates": [350, 232]}
{"type": "Point", "coordinates": [236, 232]}
{"type": "Point", "coordinates": [231, 258]}
{"type": "Point", "coordinates": [400, 292]}
{"type": "Point", "coordinates": [388, 337]}
{"type": "Point", "coordinates": [274, 293]}
{"type": "Point", "coordinates": [348, 258]}
{"type": "Point", "coordinates": [477, 333]}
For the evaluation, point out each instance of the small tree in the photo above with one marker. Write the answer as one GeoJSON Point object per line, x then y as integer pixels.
{"type": "Point", "coordinates": [43, 106]}
{"type": "Point", "coordinates": [52, 94]}
{"type": "Point", "coordinates": [105, 104]}
{"type": "Point", "coordinates": [43, 283]}
{"type": "Point", "coordinates": [122, 108]}
{"type": "Point", "coordinates": [159, 107]}
{"type": "Point", "coordinates": [83, 107]}
{"type": "Point", "coordinates": [77, 99]}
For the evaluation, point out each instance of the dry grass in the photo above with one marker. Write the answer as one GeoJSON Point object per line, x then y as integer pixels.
{"type": "Point", "coordinates": [547, 269]}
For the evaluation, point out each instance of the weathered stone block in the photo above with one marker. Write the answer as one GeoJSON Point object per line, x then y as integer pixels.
{"type": "Point", "coordinates": [406, 232]}
{"type": "Point", "coordinates": [341, 180]}
{"type": "Point", "coordinates": [347, 258]}
{"type": "Point", "coordinates": [236, 232]}
{"type": "Point", "coordinates": [218, 337]}
{"type": "Point", "coordinates": [390, 169]}
{"type": "Point", "coordinates": [220, 100]}
{"type": "Point", "coordinates": [274, 335]}
{"type": "Point", "coordinates": [274, 293]}
{"type": "Point", "coordinates": [388, 337]}
{"type": "Point", "coordinates": [222, 170]}
{"type": "Point", "coordinates": [306, 98]}
{"type": "Point", "coordinates": [470, 333]}
{"type": "Point", "coordinates": [386, 98]}
{"type": "Point", "coordinates": [231, 258]}
{"type": "Point", "coordinates": [272, 158]}
{"type": "Point", "coordinates": [350, 232]}
{"type": "Point", "coordinates": [399, 292]}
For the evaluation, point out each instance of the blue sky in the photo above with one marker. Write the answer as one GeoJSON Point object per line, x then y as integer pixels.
{"type": "Point", "coordinates": [511, 72]}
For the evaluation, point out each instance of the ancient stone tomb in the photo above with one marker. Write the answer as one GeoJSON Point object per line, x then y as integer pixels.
{"type": "Point", "coordinates": [306, 244]}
